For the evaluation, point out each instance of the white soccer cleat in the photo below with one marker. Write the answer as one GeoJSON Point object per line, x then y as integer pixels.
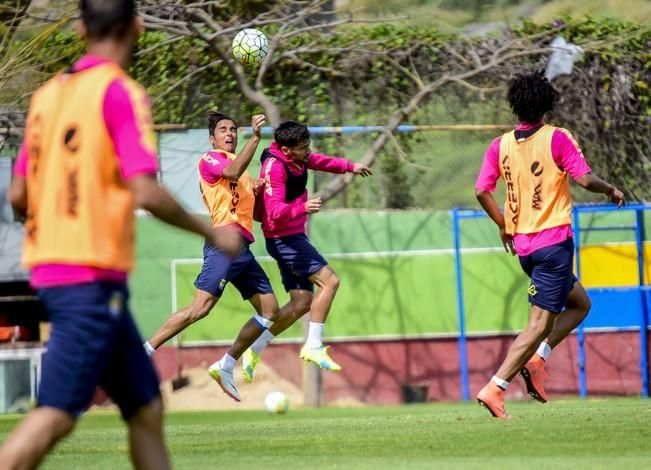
{"type": "Point", "coordinates": [225, 381]}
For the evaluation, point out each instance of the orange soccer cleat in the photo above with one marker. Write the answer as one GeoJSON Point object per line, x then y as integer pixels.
{"type": "Point", "coordinates": [492, 397]}
{"type": "Point", "coordinates": [534, 376]}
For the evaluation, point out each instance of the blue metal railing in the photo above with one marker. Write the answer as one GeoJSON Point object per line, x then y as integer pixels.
{"type": "Point", "coordinates": [327, 130]}
{"type": "Point", "coordinates": [457, 216]}
{"type": "Point", "coordinates": [580, 333]}
{"type": "Point", "coordinates": [644, 291]}
{"type": "Point", "coordinates": [640, 236]}
{"type": "Point", "coordinates": [638, 228]}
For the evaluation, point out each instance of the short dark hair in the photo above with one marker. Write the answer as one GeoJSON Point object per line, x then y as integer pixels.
{"type": "Point", "coordinates": [107, 18]}
{"type": "Point", "coordinates": [213, 119]}
{"type": "Point", "coordinates": [531, 96]}
{"type": "Point", "coordinates": [291, 134]}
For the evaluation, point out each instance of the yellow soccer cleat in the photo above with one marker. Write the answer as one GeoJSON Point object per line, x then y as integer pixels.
{"type": "Point", "coordinates": [320, 357]}
{"type": "Point", "coordinates": [250, 359]}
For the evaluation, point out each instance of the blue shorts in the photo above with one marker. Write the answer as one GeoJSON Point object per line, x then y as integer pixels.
{"type": "Point", "coordinates": [94, 342]}
{"type": "Point", "coordinates": [552, 279]}
{"type": "Point", "coordinates": [297, 260]}
{"type": "Point", "coordinates": [244, 272]}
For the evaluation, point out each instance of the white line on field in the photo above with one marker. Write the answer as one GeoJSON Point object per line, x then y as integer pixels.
{"type": "Point", "coordinates": [369, 254]}
{"type": "Point", "coordinates": [407, 337]}
{"type": "Point", "coordinates": [398, 253]}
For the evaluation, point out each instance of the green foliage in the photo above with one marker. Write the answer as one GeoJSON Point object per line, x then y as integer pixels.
{"type": "Point", "coordinates": [353, 80]}
{"type": "Point", "coordinates": [607, 101]}
{"type": "Point", "coordinates": [396, 186]}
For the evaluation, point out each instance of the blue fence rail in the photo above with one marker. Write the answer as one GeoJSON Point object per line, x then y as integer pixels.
{"type": "Point", "coordinates": [633, 302]}
{"type": "Point", "coordinates": [329, 130]}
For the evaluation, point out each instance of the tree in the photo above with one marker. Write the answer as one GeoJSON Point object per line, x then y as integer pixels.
{"type": "Point", "coordinates": [20, 62]}
{"type": "Point", "coordinates": [288, 21]}
{"type": "Point", "coordinates": [473, 68]}
{"type": "Point", "coordinates": [332, 68]}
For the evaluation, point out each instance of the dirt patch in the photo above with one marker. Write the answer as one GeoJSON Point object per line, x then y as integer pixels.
{"type": "Point", "coordinates": [203, 393]}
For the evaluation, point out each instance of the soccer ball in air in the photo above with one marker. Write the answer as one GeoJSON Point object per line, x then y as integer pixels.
{"type": "Point", "coordinates": [276, 403]}
{"type": "Point", "coordinates": [250, 46]}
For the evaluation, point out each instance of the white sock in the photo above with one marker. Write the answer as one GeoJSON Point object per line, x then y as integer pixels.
{"type": "Point", "coordinates": [315, 335]}
{"type": "Point", "coordinates": [226, 363]}
{"type": "Point", "coordinates": [503, 384]}
{"type": "Point", "coordinates": [149, 349]}
{"type": "Point", "coordinates": [262, 342]}
{"type": "Point", "coordinates": [544, 350]}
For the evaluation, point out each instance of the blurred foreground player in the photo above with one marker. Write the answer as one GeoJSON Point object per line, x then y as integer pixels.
{"type": "Point", "coordinates": [87, 160]}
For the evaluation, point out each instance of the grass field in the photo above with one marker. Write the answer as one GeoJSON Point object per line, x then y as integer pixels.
{"type": "Point", "coordinates": [595, 434]}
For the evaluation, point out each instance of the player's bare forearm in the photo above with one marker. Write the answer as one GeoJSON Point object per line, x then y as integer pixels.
{"type": "Point", "coordinates": [17, 196]}
{"type": "Point", "coordinates": [243, 159]}
{"type": "Point", "coordinates": [241, 162]}
{"type": "Point", "coordinates": [488, 203]}
{"type": "Point", "coordinates": [150, 196]}
{"type": "Point", "coordinates": [595, 184]}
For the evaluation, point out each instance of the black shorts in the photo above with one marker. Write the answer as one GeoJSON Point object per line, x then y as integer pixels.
{"type": "Point", "coordinates": [550, 269]}
{"type": "Point", "coordinates": [297, 260]}
{"type": "Point", "coordinates": [243, 271]}
{"type": "Point", "coordinates": [94, 342]}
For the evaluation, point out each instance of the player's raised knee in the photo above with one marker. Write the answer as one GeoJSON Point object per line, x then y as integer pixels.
{"type": "Point", "coordinates": [301, 302]}
{"type": "Point", "coordinates": [334, 282]}
{"type": "Point", "coordinates": [579, 301]}
{"type": "Point", "coordinates": [302, 306]}
{"type": "Point", "coordinates": [331, 280]}
{"type": "Point", "coordinates": [587, 305]}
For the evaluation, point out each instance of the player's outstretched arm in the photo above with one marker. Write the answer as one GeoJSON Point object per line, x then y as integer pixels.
{"type": "Point", "coordinates": [150, 196]}
{"type": "Point", "coordinates": [339, 165]}
{"type": "Point", "coordinates": [595, 184]}
{"type": "Point", "coordinates": [243, 159]}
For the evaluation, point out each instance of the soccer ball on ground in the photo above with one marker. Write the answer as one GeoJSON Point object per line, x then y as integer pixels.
{"type": "Point", "coordinates": [276, 403]}
{"type": "Point", "coordinates": [250, 46]}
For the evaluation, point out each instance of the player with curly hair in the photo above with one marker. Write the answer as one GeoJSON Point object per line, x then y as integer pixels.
{"type": "Point", "coordinates": [534, 161]}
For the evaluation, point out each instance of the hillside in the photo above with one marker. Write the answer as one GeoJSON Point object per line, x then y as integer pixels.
{"type": "Point", "coordinates": [480, 16]}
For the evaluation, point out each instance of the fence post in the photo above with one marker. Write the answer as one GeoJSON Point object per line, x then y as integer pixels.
{"type": "Point", "coordinates": [312, 377]}
{"type": "Point", "coordinates": [463, 359]}
{"type": "Point", "coordinates": [580, 334]}
{"type": "Point", "coordinates": [644, 320]}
